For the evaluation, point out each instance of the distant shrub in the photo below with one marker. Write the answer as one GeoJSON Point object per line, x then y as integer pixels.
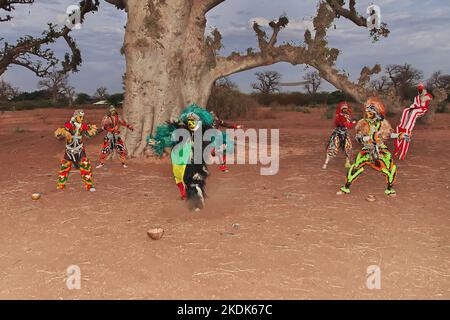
{"type": "Point", "coordinates": [443, 107]}
{"type": "Point", "coordinates": [83, 98]}
{"type": "Point", "coordinates": [338, 96]}
{"type": "Point", "coordinates": [302, 99]}
{"type": "Point", "coordinates": [228, 102]}
{"type": "Point", "coordinates": [330, 111]}
{"type": "Point", "coordinates": [29, 105]}
{"type": "Point", "coordinates": [116, 99]}
{"type": "Point", "coordinates": [31, 96]}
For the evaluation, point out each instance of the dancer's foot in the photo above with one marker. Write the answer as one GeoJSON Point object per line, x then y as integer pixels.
{"type": "Point", "coordinates": [324, 166]}
{"type": "Point", "coordinates": [390, 192]}
{"type": "Point", "coordinates": [348, 165]}
{"type": "Point", "coordinates": [223, 168]}
{"type": "Point", "coordinates": [92, 189]}
{"type": "Point", "coordinates": [124, 165]}
{"type": "Point", "coordinates": [60, 187]}
{"type": "Point", "coordinates": [101, 165]}
{"type": "Point", "coordinates": [343, 191]}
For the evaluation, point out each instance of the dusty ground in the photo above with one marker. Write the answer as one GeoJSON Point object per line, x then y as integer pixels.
{"type": "Point", "coordinates": [296, 240]}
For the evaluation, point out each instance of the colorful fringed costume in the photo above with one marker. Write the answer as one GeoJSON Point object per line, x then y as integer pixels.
{"type": "Point", "coordinates": [227, 147]}
{"type": "Point", "coordinates": [339, 138]}
{"type": "Point", "coordinates": [409, 116]}
{"type": "Point", "coordinates": [371, 132]}
{"type": "Point", "coordinates": [75, 155]}
{"type": "Point", "coordinates": [113, 141]}
{"type": "Point", "coordinates": [188, 163]}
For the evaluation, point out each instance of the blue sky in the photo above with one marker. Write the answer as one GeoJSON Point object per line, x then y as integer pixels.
{"type": "Point", "coordinates": [419, 35]}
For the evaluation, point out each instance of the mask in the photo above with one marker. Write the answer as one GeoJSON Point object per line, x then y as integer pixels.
{"type": "Point", "coordinates": [192, 124]}
{"type": "Point", "coordinates": [78, 116]}
{"type": "Point", "coordinates": [370, 115]}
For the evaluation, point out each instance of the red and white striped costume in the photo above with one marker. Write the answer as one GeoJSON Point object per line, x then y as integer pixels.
{"type": "Point", "coordinates": [408, 120]}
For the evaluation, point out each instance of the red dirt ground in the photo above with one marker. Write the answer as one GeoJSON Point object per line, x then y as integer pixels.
{"type": "Point", "coordinates": [296, 239]}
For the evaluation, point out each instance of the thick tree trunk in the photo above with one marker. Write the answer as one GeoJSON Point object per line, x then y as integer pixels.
{"type": "Point", "coordinates": [166, 66]}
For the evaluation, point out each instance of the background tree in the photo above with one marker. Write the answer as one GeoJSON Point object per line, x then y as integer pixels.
{"type": "Point", "coordinates": [314, 81]}
{"type": "Point", "coordinates": [403, 78]}
{"type": "Point", "coordinates": [33, 53]}
{"type": "Point", "coordinates": [116, 99]}
{"type": "Point", "coordinates": [227, 101]}
{"type": "Point", "coordinates": [7, 91]}
{"type": "Point", "coordinates": [380, 85]}
{"type": "Point", "coordinates": [226, 83]}
{"type": "Point", "coordinates": [70, 94]}
{"type": "Point", "coordinates": [101, 93]}
{"type": "Point", "coordinates": [439, 81]}
{"type": "Point", "coordinates": [56, 83]}
{"type": "Point", "coordinates": [268, 82]}
{"type": "Point", "coordinates": [82, 98]}
{"type": "Point", "coordinates": [172, 63]}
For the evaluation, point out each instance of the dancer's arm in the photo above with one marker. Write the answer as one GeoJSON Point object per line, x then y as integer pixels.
{"type": "Point", "coordinates": [90, 129]}
{"type": "Point", "coordinates": [63, 133]}
{"type": "Point", "coordinates": [125, 124]}
{"type": "Point", "coordinates": [228, 125]}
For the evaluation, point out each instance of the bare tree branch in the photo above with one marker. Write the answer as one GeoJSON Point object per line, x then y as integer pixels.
{"type": "Point", "coordinates": [366, 73]}
{"type": "Point", "coordinates": [8, 5]}
{"type": "Point", "coordinates": [120, 4]}
{"type": "Point", "coordinates": [33, 47]}
{"type": "Point", "coordinates": [237, 63]}
{"type": "Point", "coordinates": [315, 52]}
{"type": "Point", "coordinates": [352, 15]}
{"type": "Point", "coordinates": [276, 27]}
{"type": "Point", "coordinates": [210, 4]}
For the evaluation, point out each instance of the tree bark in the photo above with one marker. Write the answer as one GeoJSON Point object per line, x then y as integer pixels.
{"type": "Point", "coordinates": [167, 64]}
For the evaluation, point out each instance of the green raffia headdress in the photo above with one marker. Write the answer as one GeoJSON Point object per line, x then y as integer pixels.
{"type": "Point", "coordinates": [163, 136]}
{"type": "Point", "coordinates": [206, 117]}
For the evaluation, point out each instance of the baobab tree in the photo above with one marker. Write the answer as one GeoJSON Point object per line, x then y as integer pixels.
{"type": "Point", "coordinates": [101, 93]}
{"type": "Point", "coordinates": [403, 77]}
{"type": "Point", "coordinates": [57, 84]}
{"type": "Point", "coordinates": [172, 63]}
{"type": "Point", "coordinates": [313, 80]}
{"type": "Point", "coordinates": [267, 82]}
{"type": "Point", "coordinates": [440, 81]}
{"type": "Point", "coordinates": [7, 91]}
{"type": "Point", "coordinates": [380, 84]}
